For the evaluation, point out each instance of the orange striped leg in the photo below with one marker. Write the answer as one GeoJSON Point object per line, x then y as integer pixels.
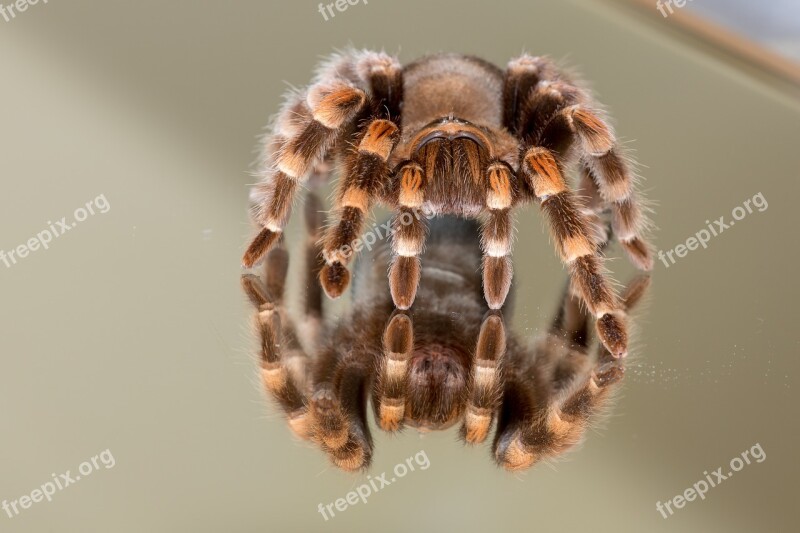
{"type": "Point", "coordinates": [408, 237]}
{"type": "Point", "coordinates": [611, 173]}
{"type": "Point", "coordinates": [366, 172]}
{"type": "Point", "coordinates": [398, 344]}
{"type": "Point", "coordinates": [303, 141]}
{"type": "Point", "coordinates": [485, 384]}
{"type": "Point", "coordinates": [496, 234]}
{"type": "Point", "coordinates": [565, 413]}
{"type": "Point", "coordinates": [576, 242]}
{"type": "Point", "coordinates": [338, 406]}
{"type": "Point", "coordinates": [282, 370]}
{"type": "Point", "coordinates": [613, 178]}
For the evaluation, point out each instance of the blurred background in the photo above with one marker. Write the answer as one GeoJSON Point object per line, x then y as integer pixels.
{"type": "Point", "coordinates": [130, 333]}
{"type": "Point", "coordinates": [774, 25]}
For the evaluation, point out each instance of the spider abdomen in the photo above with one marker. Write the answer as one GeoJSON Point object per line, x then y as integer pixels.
{"type": "Point", "coordinates": [445, 85]}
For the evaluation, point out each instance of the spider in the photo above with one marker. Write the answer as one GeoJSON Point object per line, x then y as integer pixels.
{"type": "Point", "coordinates": [453, 134]}
{"type": "Point", "coordinates": [447, 360]}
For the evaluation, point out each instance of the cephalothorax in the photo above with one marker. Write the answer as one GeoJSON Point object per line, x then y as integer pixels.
{"type": "Point", "coordinates": [451, 134]}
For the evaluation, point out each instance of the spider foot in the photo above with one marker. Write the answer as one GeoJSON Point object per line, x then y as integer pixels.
{"type": "Point", "coordinates": [497, 274]}
{"type": "Point", "coordinates": [353, 455]}
{"type": "Point", "coordinates": [611, 330]}
{"type": "Point", "coordinates": [609, 373]}
{"type": "Point", "coordinates": [331, 425]}
{"type": "Point", "coordinates": [404, 279]}
{"type": "Point", "coordinates": [512, 454]}
{"type": "Point", "coordinates": [334, 278]}
{"type": "Point", "coordinates": [265, 240]}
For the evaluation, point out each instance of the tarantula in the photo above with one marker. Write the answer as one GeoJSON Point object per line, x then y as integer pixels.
{"type": "Point", "coordinates": [442, 141]}
{"type": "Point", "coordinates": [452, 134]}
{"type": "Point", "coordinates": [446, 360]}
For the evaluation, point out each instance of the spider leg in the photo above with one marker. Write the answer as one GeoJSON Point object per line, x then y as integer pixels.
{"type": "Point", "coordinates": [338, 408]}
{"type": "Point", "coordinates": [561, 376]}
{"type": "Point", "coordinates": [311, 325]}
{"type": "Point", "coordinates": [550, 121]}
{"type": "Point", "coordinates": [570, 322]}
{"type": "Point", "coordinates": [366, 173]}
{"type": "Point", "coordinates": [392, 383]}
{"type": "Point", "coordinates": [408, 235]}
{"type": "Point", "coordinates": [485, 389]}
{"type": "Point", "coordinates": [523, 77]}
{"type": "Point", "coordinates": [535, 92]}
{"type": "Point", "coordinates": [610, 171]}
{"type": "Point", "coordinates": [570, 388]}
{"type": "Point", "coordinates": [576, 242]}
{"type": "Point", "coordinates": [496, 235]}
{"type": "Point", "coordinates": [306, 130]}
{"type": "Point", "coordinates": [611, 175]}
{"type": "Point", "coordinates": [283, 362]}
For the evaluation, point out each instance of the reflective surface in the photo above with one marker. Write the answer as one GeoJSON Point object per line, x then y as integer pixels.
{"type": "Point", "coordinates": [129, 333]}
{"type": "Point", "coordinates": [776, 24]}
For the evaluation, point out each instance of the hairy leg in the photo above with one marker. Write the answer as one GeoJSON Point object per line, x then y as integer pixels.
{"type": "Point", "coordinates": [568, 388]}
{"type": "Point", "coordinates": [283, 362]}
{"type": "Point", "coordinates": [392, 384]}
{"type": "Point", "coordinates": [483, 397]}
{"type": "Point", "coordinates": [551, 118]}
{"type": "Point", "coordinates": [408, 235]}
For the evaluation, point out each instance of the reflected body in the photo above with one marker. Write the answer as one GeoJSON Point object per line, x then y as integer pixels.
{"type": "Point", "coordinates": [449, 360]}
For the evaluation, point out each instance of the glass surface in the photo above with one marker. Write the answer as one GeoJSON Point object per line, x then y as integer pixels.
{"type": "Point", "coordinates": [775, 24]}
{"type": "Point", "coordinates": [127, 340]}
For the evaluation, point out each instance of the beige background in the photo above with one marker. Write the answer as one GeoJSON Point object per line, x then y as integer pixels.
{"type": "Point", "coordinates": [130, 332]}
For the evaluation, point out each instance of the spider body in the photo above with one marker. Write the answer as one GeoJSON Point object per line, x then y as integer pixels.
{"type": "Point", "coordinates": [452, 144]}
{"type": "Point", "coordinates": [452, 134]}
